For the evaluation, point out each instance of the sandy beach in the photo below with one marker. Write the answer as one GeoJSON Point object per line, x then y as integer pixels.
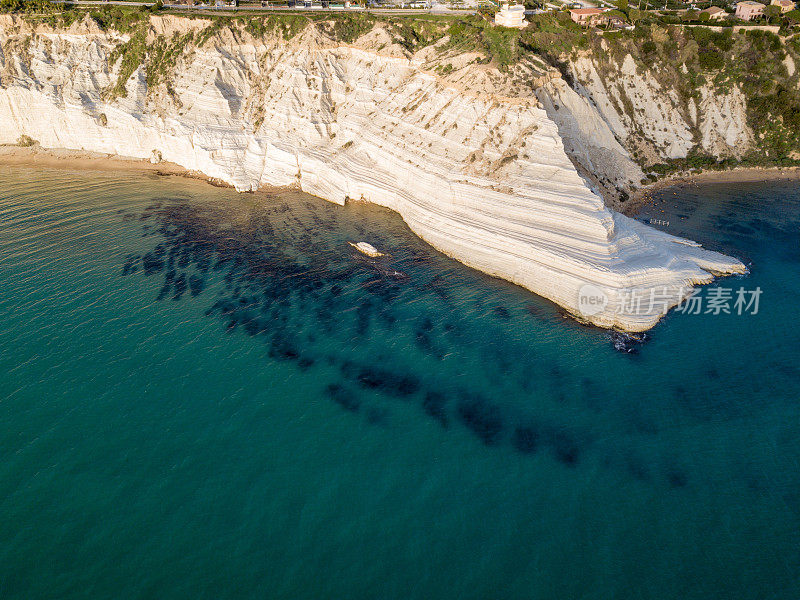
{"type": "Point", "coordinates": [643, 196]}
{"type": "Point", "coordinates": [84, 160]}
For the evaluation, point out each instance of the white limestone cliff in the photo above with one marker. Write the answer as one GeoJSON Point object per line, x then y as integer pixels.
{"type": "Point", "coordinates": [588, 139]}
{"type": "Point", "coordinates": [647, 116]}
{"type": "Point", "coordinates": [483, 177]}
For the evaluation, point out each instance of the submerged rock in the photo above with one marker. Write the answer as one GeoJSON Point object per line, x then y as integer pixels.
{"type": "Point", "coordinates": [627, 343]}
{"type": "Point", "coordinates": [366, 248]}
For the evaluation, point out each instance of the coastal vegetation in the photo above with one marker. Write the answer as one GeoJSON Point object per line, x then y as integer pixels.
{"type": "Point", "coordinates": [132, 55]}
{"type": "Point", "coordinates": [25, 141]}
{"type": "Point", "coordinates": [687, 59]}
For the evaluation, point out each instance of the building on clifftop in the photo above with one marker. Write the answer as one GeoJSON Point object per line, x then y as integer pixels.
{"type": "Point", "coordinates": [586, 16]}
{"type": "Point", "coordinates": [785, 5]}
{"type": "Point", "coordinates": [749, 10]}
{"type": "Point", "coordinates": [510, 15]}
{"type": "Point", "coordinates": [715, 13]}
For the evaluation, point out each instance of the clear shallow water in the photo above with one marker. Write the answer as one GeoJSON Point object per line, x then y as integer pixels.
{"type": "Point", "coordinates": [293, 420]}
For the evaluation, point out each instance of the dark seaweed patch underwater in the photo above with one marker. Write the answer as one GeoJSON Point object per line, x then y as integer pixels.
{"type": "Point", "coordinates": [269, 275]}
{"type": "Point", "coordinates": [212, 395]}
{"type": "Point", "coordinates": [281, 271]}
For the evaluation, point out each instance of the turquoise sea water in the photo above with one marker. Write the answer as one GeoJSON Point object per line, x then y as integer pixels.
{"type": "Point", "coordinates": [211, 395]}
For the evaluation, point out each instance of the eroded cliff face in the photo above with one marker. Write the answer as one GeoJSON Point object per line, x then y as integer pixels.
{"type": "Point", "coordinates": [590, 141]}
{"type": "Point", "coordinates": [474, 162]}
{"type": "Point", "coordinates": [653, 121]}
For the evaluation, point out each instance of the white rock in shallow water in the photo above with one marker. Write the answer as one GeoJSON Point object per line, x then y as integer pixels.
{"type": "Point", "coordinates": [483, 178]}
{"type": "Point", "coordinates": [366, 248]}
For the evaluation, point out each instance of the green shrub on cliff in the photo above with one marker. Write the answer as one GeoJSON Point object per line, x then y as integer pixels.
{"type": "Point", "coordinates": [414, 33]}
{"type": "Point", "coordinates": [23, 6]}
{"type": "Point", "coordinates": [132, 56]}
{"type": "Point", "coordinates": [705, 37]}
{"type": "Point", "coordinates": [117, 18]}
{"type": "Point", "coordinates": [553, 35]}
{"type": "Point", "coordinates": [711, 60]}
{"type": "Point", "coordinates": [501, 44]}
{"type": "Point", "coordinates": [162, 57]}
{"type": "Point", "coordinates": [217, 25]}
{"type": "Point", "coordinates": [286, 26]}
{"type": "Point", "coordinates": [349, 27]}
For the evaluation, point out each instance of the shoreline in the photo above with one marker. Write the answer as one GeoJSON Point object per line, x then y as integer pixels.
{"type": "Point", "coordinates": [643, 196]}
{"type": "Point", "coordinates": [62, 158]}
{"type": "Point", "coordinates": [79, 160]}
